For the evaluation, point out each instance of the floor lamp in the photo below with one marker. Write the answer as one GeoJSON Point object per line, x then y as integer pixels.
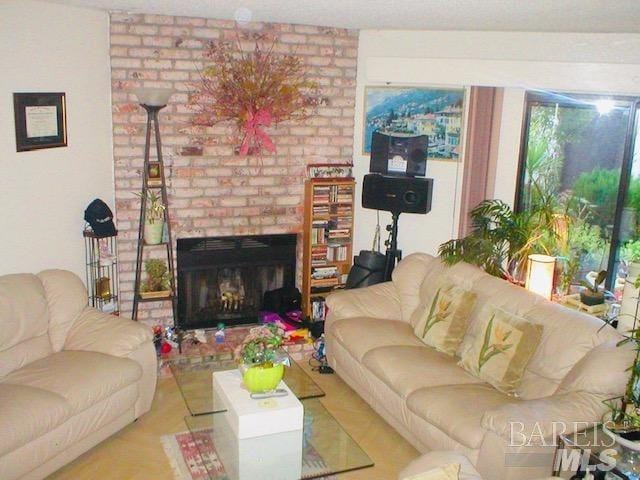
{"type": "Point", "coordinates": [153, 100]}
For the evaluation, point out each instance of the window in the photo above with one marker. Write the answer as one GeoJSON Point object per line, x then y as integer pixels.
{"type": "Point", "coordinates": [577, 160]}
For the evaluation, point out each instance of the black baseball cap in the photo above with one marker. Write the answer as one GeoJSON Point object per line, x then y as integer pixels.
{"type": "Point", "coordinates": [99, 216]}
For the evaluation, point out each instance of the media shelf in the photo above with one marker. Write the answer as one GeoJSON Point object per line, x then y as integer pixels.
{"type": "Point", "coordinates": [328, 240]}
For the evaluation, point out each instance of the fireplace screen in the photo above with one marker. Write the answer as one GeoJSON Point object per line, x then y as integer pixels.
{"type": "Point", "coordinates": [223, 279]}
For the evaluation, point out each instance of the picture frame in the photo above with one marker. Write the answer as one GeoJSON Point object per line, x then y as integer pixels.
{"type": "Point", "coordinates": [330, 170]}
{"type": "Point", "coordinates": [40, 120]}
{"type": "Point", "coordinates": [433, 111]}
{"type": "Point", "coordinates": [154, 177]}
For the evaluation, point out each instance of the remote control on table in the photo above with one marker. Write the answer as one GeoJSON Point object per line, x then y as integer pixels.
{"type": "Point", "coordinates": [279, 392]}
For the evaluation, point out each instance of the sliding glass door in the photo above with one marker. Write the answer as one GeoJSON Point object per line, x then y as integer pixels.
{"type": "Point", "coordinates": [578, 162]}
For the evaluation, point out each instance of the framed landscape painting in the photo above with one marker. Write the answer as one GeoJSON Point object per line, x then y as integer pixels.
{"type": "Point", "coordinates": [435, 112]}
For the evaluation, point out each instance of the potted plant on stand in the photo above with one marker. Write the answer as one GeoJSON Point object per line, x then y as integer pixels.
{"type": "Point", "coordinates": [622, 422]}
{"type": "Point", "coordinates": [261, 358]}
{"type": "Point", "coordinates": [157, 283]}
{"type": "Point", "coordinates": [592, 295]}
{"type": "Point", "coordinates": [154, 218]}
{"type": "Point", "coordinates": [630, 254]}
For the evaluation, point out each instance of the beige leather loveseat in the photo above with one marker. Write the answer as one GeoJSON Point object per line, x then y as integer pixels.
{"type": "Point", "coordinates": [437, 405]}
{"type": "Point", "coordinates": [70, 376]}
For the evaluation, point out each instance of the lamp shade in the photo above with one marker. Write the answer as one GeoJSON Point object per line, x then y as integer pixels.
{"type": "Point", "coordinates": [540, 269]}
{"type": "Point", "coordinates": [154, 97]}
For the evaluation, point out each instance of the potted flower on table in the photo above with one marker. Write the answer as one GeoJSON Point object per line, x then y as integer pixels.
{"type": "Point", "coordinates": [262, 359]}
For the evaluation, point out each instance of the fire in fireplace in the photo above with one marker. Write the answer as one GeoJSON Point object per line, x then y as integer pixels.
{"type": "Point", "coordinates": [223, 279]}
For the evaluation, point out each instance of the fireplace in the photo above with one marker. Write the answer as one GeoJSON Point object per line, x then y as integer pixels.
{"type": "Point", "coordinates": [223, 279]}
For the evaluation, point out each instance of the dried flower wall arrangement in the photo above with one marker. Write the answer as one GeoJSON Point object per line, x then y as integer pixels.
{"type": "Point", "coordinates": [255, 89]}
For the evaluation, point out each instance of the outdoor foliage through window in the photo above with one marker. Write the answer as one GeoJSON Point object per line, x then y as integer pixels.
{"type": "Point", "coordinates": [572, 169]}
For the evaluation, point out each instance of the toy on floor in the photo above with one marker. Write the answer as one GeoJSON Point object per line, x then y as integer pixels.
{"type": "Point", "coordinates": [318, 360]}
{"type": "Point", "coordinates": [164, 339]}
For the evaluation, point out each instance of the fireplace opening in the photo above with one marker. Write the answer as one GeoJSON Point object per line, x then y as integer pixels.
{"type": "Point", "coordinates": [223, 279]}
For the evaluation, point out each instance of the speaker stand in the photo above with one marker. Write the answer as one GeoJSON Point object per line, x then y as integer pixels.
{"type": "Point", "coordinates": [392, 254]}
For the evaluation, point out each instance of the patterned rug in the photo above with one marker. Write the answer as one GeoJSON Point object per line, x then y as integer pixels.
{"type": "Point", "coordinates": [191, 456]}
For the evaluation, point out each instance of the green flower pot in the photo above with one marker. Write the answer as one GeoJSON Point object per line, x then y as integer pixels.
{"type": "Point", "coordinates": [259, 379]}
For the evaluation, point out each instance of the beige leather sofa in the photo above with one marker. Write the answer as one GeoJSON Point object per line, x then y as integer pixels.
{"type": "Point", "coordinates": [436, 405]}
{"type": "Point", "coordinates": [70, 376]}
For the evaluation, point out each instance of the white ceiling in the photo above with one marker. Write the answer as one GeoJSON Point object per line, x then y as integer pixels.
{"type": "Point", "coordinates": [622, 16]}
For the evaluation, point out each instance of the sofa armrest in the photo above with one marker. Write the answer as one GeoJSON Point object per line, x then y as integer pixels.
{"type": "Point", "coordinates": [98, 332]}
{"type": "Point", "coordinates": [377, 301]}
{"type": "Point", "coordinates": [539, 421]}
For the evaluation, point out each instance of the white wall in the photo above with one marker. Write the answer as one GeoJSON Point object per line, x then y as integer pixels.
{"type": "Point", "coordinates": [517, 61]}
{"type": "Point", "coordinates": [43, 193]}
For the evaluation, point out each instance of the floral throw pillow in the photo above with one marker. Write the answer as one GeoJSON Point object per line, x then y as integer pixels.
{"type": "Point", "coordinates": [501, 351]}
{"type": "Point", "coordinates": [446, 318]}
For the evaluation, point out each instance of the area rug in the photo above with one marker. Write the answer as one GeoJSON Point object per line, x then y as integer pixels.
{"type": "Point", "coordinates": [192, 456]}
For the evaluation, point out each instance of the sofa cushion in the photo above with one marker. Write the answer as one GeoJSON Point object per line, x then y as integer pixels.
{"type": "Point", "coordinates": [457, 410]}
{"type": "Point", "coordinates": [406, 369]}
{"type": "Point", "coordinates": [95, 331]}
{"type": "Point", "coordinates": [604, 371]}
{"type": "Point", "coordinates": [410, 273]}
{"type": "Point", "coordinates": [462, 275]}
{"type": "Point", "coordinates": [25, 321]}
{"type": "Point", "coordinates": [67, 298]}
{"type": "Point", "coordinates": [27, 413]}
{"type": "Point", "coordinates": [360, 334]}
{"type": "Point", "coordinates": [81, 378]}
{"type": "Point", "coordinates": [501, 353]}
{"type": "Point", "coordinates": [567, 337]}
{"type": "Point", "coordinates": [445, 318]}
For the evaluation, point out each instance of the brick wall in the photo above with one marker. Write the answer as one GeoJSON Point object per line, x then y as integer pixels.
{"type": "Point", "coordinates": [212, 191]}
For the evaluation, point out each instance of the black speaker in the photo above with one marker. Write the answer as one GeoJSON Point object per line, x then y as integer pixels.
{"type": "Point", "coordinates": [368, 269]}
{"type": "Point", "coordinates": [404, 155]}
{"type": "Point", "coordinates": [397, 194]}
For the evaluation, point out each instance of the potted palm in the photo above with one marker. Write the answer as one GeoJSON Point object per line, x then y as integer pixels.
{"type": "Point", "coordinates": [157, 283]}
{"type": "Point", "coordinates": [154, 218]}
{"type": "Point", "coordinates": [261, 359]}
{"type": "Point", "coordinates": [502, 240]}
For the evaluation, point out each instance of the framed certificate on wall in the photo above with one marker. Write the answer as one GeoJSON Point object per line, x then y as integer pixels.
{"type": "Point", "coordinates": [41, 120]}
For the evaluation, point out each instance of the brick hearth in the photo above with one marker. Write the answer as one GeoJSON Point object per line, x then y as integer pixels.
{"type": "Point", "coordinates": [212, 191]}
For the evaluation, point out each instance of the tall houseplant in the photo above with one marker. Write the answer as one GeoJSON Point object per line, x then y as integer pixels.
{"type": "Point", "coordinates": [502, 239]}
{"type": "Point", "coordinates": [623, 420]}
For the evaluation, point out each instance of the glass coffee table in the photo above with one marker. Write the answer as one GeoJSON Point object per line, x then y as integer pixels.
{"type": "Point", "coordinates": [194, 376]}
{"type": "Point", "coordinates": [326, 448]}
